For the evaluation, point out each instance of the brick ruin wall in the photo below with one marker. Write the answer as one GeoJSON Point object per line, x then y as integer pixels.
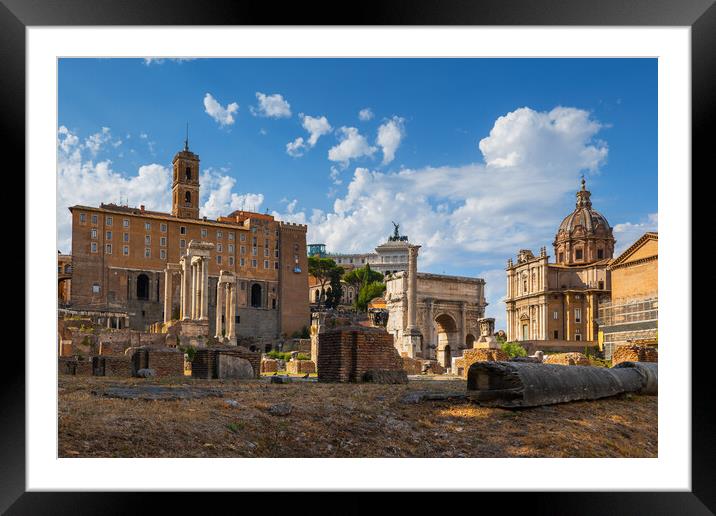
{"type": "Point", "coordinates": [632, 353]}
{"type": "Point", "coordinates": [346, 354]}
{"type": "Point", "coordinates": [300, 367]}
{"type": "Point", "coordinates": [470, 356]}
{"type": "Point", "coordinates": [165, 362]}
{"type": "Point", "coordinates": [205, 363]}
{"type": "Point", "coordinates": [567, 359]}
{"type": "Point", "coordinates": [414, 366]}
{"type": "Point", "coordinates": [269, 365]}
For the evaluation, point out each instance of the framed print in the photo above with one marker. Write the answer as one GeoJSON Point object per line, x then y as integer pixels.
{"type": "Point", "coordinates": [415, 250]}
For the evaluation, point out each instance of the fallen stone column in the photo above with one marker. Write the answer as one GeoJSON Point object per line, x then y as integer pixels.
{"type": "Point", "coordinates": [520, 384]}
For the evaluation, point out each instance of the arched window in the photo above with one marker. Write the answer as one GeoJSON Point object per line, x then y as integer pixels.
{"type": "Point", "coordinates": [187, 199]}
{"type": "Point", "coordinates": [256, 295]}
{"type": "Point", "coordinates": [188, 173]}
{"type": "Point", "coordinates": [318, 295]}
{"type": "Point", "coordinates": [142, 287]}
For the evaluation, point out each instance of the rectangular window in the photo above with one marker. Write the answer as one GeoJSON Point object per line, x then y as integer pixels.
{"type": "Point", "coordinates": [148, 226]}
{"type": "Point", "coordinates": [241, 262]}
{"type": "Point", "coordinates": [182, 230]}
{"type": "Point", "coordinates": [108, 221]}
{"type": "Point", "coordinates": [243, 249]}
{"type": "Point", "coordinates": [108, 248]}
{"type": "Point", "coordinates": [219, 248]}
{"type": "Point", "coordinates": [147, 240]}
{"type": "Point", "coordinates": [163, 228]}
{"type": "Point", "coordinates": [218, 259]}
{"type": "Point", "coordinates": [275, 253]}
{"type": "Point", "coordinates": [577, 254]}
{"type": "Point", "coordinates": [125, 223]}
{"type": "Point", "coordinates": [577, 315]}
{"type": "Point", "coordinates": [243, 237]}
{"type": "Point", "coordinates": [93, 247]}
{"type": "Point", "coordinates": [266, 264]}
{"type": "Point", "coordinates": [275, 265]}
{"type": "Point", "coordinates": [219, 234]}
{"type": "Point", "coordinates": [601, 285]}
{"type": "Point", "coordinates": [266, 252]}
{"type": "Point", "coordinates": [231, 260]}
{"type": "Point", "coordinates": [255, 241]}
{"type": "Point", "coordinates": [108, 235]}
{"type": "Point", "coordinates": [93, 233]}
{"type": "Point", "coordinates": [600, 254]}
{"type": "Point", "coordinates": [231, 248]}
{"type": "Point", "coordinates": [577, 336]}
{"type": "Point", "coordinates": [182, 243]}
{"type": "Point", "coordinates": [125, 250]}
{"type": "Point", "coordinates": [147, 253]}
{"type": "Point", "coordinates": [163, 254]}
{"type": "Point", "coordinates": [253, 263]}
{"type": "Point", "coordinates": [125, 237]}
{"type": "Point", "coordinates": [555, 315]}
{"type": "Point", "coordinates": [163, 241]}
{"type": "Point", "coordinates": [254, 251]}
{"type": "Point", "coordinates": [556, 334]}
{"type": "Point", "coordinates": [83, 218]}
{"type": "Point", "coordinates": [94, 219]}
{"type": "Point", "coordinates": [204, 233]}
{"type": "Point", "coordinates": [231, 236]}
{"type": "Point", "coordinates": [95, 288]}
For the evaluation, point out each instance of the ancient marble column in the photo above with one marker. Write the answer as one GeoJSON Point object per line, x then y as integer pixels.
{"type": "Point", "coordinates": [194, 288]}
{"type": "Point", "coordinates": [227, 305]}
{"type": "Point", "coordinates": [231, 300]}
{"type": "Point", "coordinates": [220, 295]}
{"type": "Point", "coordinates": [463, 325]}
{"type": "Point", "coordinates": [204, 289]}
{"type": "Point", "coordinates": [168, 294]}
{"type": "Point", "coordinates": [412, 333]}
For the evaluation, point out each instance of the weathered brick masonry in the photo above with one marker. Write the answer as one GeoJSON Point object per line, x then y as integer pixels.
{"type": "Point", "coordinates": [346, 354]}
{"type": "Point", "coordinates": [635, 354]}
{"type": "Point", "coordinates": [470, 356]}
{"type": "Point", "coordinates": [300, 367]}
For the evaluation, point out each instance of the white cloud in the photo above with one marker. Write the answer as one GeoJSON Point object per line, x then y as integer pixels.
{"type": "Point", "coordinates": [626, 233]}
{"type": "Point", "coordinates": [272, 106]}
{"type": "Point", "coordinates": [82, 181]}
{"type": "Point", "coordinates": [296, 147]}
{"type": "Point", "coordinates": [218, 199]}
{"type": "Point", "coordinates": [316, 127]}
{"type": "Point", "coordinates": [222, 115]}
{"type": "Point", "coordinates": [365, 114]}
{"type": "Point", "coordinates": [352, 145]}
{"type": "Point", "coordinates": [161, 60]}
{"type": "Point", "coordinates": [389, 137]}
{"type": "Point", "coordinates": [95, 141]}
{"type": "Point", "coordinates": [469, 218]}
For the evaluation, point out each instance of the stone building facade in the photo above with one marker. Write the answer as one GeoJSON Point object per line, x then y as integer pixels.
{"type": "Point", "coordinates": [557, 304]}
{"type": "Point", "coordinates": [120, 253]}
{"type": "Point", "coordinates": [64, 278]}
{"type": "Point", "coordinates": [389, 257]}
{"type": "Point", "coordinates": [447, 312]}
{"type": "Point", "coordinates": [632, 315]}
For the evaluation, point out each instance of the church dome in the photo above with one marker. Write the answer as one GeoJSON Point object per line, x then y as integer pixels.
{"type": "Point", "coordinates": [584, 236]}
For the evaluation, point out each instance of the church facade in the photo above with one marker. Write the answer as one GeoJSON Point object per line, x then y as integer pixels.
{"type": "Point", "coordinates": [120, 253]}
{"type": "Point", "coordinates": [557, 303]}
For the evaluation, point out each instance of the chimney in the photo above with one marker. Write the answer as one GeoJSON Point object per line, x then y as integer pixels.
{"type": "Point", "coordinates": [141, 208]}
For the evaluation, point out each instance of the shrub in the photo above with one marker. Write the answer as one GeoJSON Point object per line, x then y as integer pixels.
{"type": "Point", "coordinates": [190, 352]}
{"type": "Point", "coordinates": [513, 349]}
{"type": "Point", "coordinates": [302, 356]}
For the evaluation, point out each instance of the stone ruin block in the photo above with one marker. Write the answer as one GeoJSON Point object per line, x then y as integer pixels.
{"type": "Point", "coordinates": [233, 367]}
{"type": "Point", "coordinates": [567, 359]}
{"type": "Point", "coordinates": [300, 366]}
{"type": "Point", "coordinates": [269, 365]}
{"type": "Point", "coordinates": [470, 356]}
{"type": "Point", "coordinates": [206, 361]}
{"type": "Point", "coordinates": [346, 354]}
{"type": "Point", "coordinates": [634, 353]}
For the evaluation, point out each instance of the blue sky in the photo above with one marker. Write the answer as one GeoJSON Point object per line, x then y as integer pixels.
{"type": "Point", "coordinates": [476, 158]}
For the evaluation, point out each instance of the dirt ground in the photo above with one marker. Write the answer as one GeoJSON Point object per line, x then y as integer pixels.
{"type": "Point", "coordinates": [254, 418]}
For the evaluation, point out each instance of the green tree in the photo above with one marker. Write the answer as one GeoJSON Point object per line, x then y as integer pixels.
{"type": "Point", "coordinates": [514, 349]}
{"type": "Point", "coordinates": [333, 296]}
{"type": "Point", "coordinates": [323, 269]}
{"type": "Point", "coordinates": [368, 292]}
{"type": "Point", "coordinates": [360, 278]}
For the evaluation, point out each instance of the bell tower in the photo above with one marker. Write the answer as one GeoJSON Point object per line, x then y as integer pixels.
{"type": "Point", "coordinates": [185, 183]}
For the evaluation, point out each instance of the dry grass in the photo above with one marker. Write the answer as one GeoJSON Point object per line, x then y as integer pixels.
{"type": "Point", "coordinates": [340, 420]}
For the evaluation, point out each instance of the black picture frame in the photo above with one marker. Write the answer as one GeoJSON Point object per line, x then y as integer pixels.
{"type": "Point", "coordinates": [700, 15]}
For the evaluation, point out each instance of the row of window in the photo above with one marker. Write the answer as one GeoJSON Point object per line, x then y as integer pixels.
{"type": "Point", "coordinates": [578, 255]}
{"type": "Point", "coordinates": [577, 315]}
